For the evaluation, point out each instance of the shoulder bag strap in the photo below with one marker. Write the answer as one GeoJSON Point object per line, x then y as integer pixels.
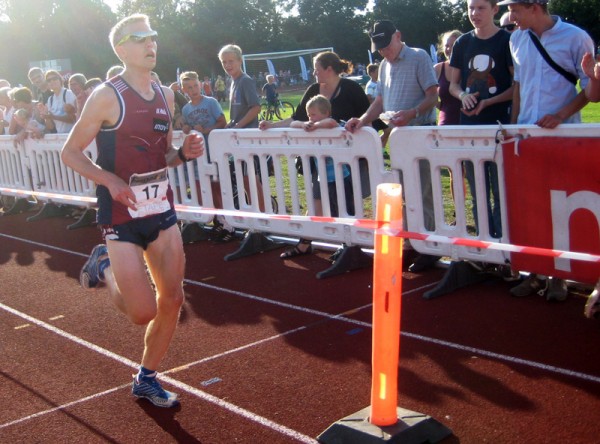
{"type": "Point", "coordinates": [559, 69]}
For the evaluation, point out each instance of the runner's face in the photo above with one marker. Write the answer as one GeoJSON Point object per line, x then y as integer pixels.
{"type": "Point", "coordinates": [138, 52]}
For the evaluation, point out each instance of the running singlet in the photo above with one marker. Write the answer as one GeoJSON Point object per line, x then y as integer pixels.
{"type": "Point", "coordinates": [134, 146]}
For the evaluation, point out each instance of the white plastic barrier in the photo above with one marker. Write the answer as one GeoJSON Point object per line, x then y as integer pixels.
{"type": "Point", "coordinates": [189, 191]}
{"type": "Point", "coordinates": [50, 175]}
{"type": "Point", "coordinates": [283, 147]}
{"type": "Point", "coordinates": [14, 171]}
{"type": "Point", "coordinates": [446, 148]}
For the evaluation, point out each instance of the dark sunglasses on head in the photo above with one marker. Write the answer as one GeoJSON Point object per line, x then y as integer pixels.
{"type": "Point", "coordinates": [509, 27]}
{"type": "Point", "coordinates": [139, 37]}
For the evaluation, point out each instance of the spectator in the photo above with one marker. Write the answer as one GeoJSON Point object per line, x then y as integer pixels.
{"type": "Point", "coordinates": [244, 105]}
{"type": "Point", "coordinates": [371, 87]}
{"type": "Point", "coordinates": [77, 85]}
{"type": "Point", "coordinates": [371, 91]}
{"type": "Point", "coordinates": [23, 99]}
{"type": "Point", "coordinates": [543, 95]}
{"type": "Point", "coordinates": [506, 23]}
{"type": "Point", "coordinates": [347, 99]}
{"type": "Point", "coordinates": [4, 83]}
{"type": "Point", "coordinates": [591, 68]}
{"type": "Point", "coordinates": [220, 88]}
{"type": "Point", "coordinates": [25, 121]}
{"type": "Point", "coordinates": [204, 114]}
{"type": "Point", "coordinates": [408, 92]}
{"type": "Point", "coordinates": [91, 85]}
{"type": "Point", "coordinates": [60, 109]}
{"type": "Point", "coordinates": [449, 106]}
{"type": "Point", "coordinates": [6, 109]}
{"type": "Point", "coordinates": [318, 109]}
{"type": "Point", "coordinates": [481, 78]}
{"type": "Point", "coordinates": [41, 91]}
{"type": "Point", "coordinates": [143, 261]}
{"type": "Point", "coordinates": [207, 87]}
{"type": "Point", "coordinates": [114, 71]}
{"type": "Point", "coordinates": [269, 89]}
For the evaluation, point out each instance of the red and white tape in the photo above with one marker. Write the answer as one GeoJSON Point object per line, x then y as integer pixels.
{"type": "Point", "coordinates": [379, 227]}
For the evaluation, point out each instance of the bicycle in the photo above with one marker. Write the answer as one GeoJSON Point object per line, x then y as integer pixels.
{"type": "Point", "coordinates": [280, 110]}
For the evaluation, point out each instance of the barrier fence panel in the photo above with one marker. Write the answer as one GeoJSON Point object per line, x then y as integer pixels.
{"type": "Point", "coordinates": [280, 165]}
{"type": "Point", "coordinates": [50, 175]}
{"type": "Point", "coordinates": [450, 151]}
{"type": "Point", "coordinates": [14, 171]}
{"type": "Point", "coordinates": [191, 185]}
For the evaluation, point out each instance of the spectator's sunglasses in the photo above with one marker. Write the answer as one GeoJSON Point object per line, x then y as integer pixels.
{"type": "Point", "coordinates": [139, 37]}
{"type": "Point", "coordinates": [509, 27]}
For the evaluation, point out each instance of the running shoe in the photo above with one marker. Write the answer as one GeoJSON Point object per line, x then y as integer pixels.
{"type": "Point", "coordinates": [151, 389]}
{"type": "Point", "coordinates": [89, 277]}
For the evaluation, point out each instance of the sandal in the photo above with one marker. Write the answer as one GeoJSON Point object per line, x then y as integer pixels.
{"type": "Point", "coordinates": [293, 252]}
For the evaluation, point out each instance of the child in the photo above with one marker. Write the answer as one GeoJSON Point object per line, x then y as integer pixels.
{"type": "Point", "coordinates": [30, 125]}
{"type": "Point", "coordinates": [269, 90]}
{"type": "Point", "coordinates": [319, 114]}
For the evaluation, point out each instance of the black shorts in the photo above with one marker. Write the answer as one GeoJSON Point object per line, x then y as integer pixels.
{"type": "Point", "coordinates": [140, 232]}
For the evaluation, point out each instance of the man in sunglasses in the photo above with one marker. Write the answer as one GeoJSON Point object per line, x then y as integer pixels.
{"type": "Point", "coordinates": [130, 118]}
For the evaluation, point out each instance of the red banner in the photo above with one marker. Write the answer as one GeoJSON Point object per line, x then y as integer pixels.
{"type": "Point", "coordinates": [553, 201]}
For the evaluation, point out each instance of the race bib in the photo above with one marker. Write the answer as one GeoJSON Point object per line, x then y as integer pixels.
{"type": "Point", "coordinates": [150, 191]}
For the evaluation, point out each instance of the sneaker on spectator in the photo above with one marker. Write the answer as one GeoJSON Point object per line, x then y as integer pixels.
{"type": "Point", "coordinates": [507, 273]}
{"type": "Point", "coordinates": [423, 262]}
{"type": "Point", "coordinates": [557, 290]}
{"type": "Point", "coordinates": [92, 272]}
{"type": "Point", "coordinates": [592, 306]}
{"type": "Point", "coordinates": [151, 389]}
{"type": "Point", "coordinates": [531, 284]}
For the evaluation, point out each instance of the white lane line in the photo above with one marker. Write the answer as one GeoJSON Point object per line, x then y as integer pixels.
{"type": "Point", "coordinates": [341, 317]}
{"type": "Point", "coordinates": [64, 406]}
{"type": "Point", "coordinates": [46, 246]}
{"type": "Point", "coordinates": [185, 387]}
{"type": "Point", "coordinates": [465, 348]}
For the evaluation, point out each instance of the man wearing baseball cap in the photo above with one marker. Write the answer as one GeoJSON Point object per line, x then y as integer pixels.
{"type": "Point", "coordinates": [545, 95]}
{"type": "Point", "coordinates": [407, 90]}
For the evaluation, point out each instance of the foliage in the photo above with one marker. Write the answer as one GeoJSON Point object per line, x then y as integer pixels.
{"type": "Point", "coordinates": [583, 13]}
{"type": "Point", "coordinates": [191, 32]}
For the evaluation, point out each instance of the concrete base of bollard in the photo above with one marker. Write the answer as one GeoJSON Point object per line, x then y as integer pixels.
{"type": "Point", "coordinates": [411, 428]}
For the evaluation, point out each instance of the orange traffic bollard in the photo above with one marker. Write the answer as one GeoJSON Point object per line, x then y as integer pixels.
{"type": "Point", "coordinates": [387, 291]}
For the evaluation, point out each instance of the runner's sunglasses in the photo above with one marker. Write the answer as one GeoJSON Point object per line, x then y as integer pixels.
{"type": "Point", "coordinates": [139, 37]}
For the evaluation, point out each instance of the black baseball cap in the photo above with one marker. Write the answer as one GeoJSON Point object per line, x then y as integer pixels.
{"type": "Point", "coordinates": [381, 35]}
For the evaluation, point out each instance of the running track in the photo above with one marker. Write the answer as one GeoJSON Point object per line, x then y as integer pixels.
{"type": "Point", "coordinates": [267, 353]}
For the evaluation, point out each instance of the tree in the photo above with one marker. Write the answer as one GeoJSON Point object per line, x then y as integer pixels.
{"type": "Point", "coordinates": [47, 30]}
{"type": "Point", "coordinates": [421, 21]}
{"type": "Point", "coordinates": [320, 23]}
{"type": "Point", "coordinates": [582, 13]}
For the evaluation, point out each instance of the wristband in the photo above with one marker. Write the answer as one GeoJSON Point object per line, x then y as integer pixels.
{"type": "Point", "coordinates": [181, 155]}
{"type": "Point", "coordinates": [462, 95]}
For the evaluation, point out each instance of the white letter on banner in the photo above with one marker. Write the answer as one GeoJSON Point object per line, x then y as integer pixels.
{"type": "Point", "coordinates": [562, 208]}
